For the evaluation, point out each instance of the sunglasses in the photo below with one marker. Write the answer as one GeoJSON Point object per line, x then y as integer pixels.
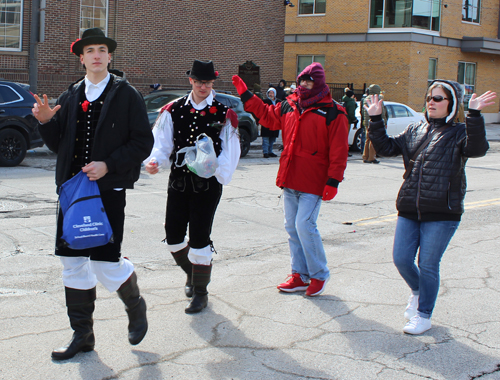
{"type": "Point", "coordinates": [436, 98]}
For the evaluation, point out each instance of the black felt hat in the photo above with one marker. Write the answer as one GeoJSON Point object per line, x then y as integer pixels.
{"type": "Point", "coordinates": [202, 71]}
{"type": "Point", "coordinates": [94, 36]}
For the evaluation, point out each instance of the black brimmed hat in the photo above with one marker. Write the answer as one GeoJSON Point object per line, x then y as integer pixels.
{"type": "Point", "coordinates": [94, 36]}
{"type": "Point", "coordinates": [202, 71]}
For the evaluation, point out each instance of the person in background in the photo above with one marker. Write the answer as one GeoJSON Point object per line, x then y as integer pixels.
{"type": "Point", "coordinates": [268, 136]}
{"type": "Point", "coordinates": [314, 131]}
{"type": "Point", "coordinates": [280, 91]}
{"type": "Point", "coordinates": [350, 105]}
{"type": "Point", "coordinates": [430, 202]}
{"type": "Point", "coordinates": [192, 200]}
{"type": "Point", "coordinates": [369, 152]}
{"type": "Point", "coordinates": [100, 126]}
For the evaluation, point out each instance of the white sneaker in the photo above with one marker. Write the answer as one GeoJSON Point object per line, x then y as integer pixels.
{"type": "Point", "coordinates": [417, 325]}
{"type": "Point", "coordinates": [411, 308]}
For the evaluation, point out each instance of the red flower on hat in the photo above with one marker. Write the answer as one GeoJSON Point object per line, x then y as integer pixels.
{"type": "Point", "coordinates": [85, 105]}
{"type": "Point", "coordinates": [213, 109]}
{"type": "Point", "coordinates": [216, 73]}
{"type": "Point", "coordinates": [71, 47]}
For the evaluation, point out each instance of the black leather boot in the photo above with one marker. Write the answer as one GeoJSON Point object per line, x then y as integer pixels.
{"type": "Point", "coordinates": [80, 304]}
{"type": "Point", "coordinates": [201, 278]}
{"type": "Point", "coordinates": [182, 260]}
{"type": "Point", "coordinates": [135, 308]}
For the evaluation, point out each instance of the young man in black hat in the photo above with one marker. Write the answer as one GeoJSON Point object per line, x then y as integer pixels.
{"type": "Point", "coordinates": [193, 200]}
{"type": "Point", "coordinates": [99, 126]}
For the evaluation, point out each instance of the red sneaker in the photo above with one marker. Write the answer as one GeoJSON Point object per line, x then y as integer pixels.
{"type": "Point", "coordinates": [294, 284]}
{"type": "Point", "coordinates": [316, 288]}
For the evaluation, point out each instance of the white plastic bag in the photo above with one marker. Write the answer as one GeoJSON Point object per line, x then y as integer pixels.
{"type": "Point", "coordinates": [201, 158]}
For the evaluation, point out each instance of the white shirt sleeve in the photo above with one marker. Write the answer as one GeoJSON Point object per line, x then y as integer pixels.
{"type": "Point", "coordinates": [164, 140]}
{"type": "Point", "coordinates": [230, 153]}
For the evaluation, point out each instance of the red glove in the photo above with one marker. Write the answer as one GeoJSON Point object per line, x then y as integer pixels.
{"type": "Point", "coordinates": [241, 87]}
{"type": "Point", "coordinates": [329, 193]}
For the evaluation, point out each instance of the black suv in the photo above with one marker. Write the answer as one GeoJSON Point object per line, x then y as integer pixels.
{"type": "Point", "coordinates": [18, 126]}
{"type": "Point", "coordinates": [247, 126]}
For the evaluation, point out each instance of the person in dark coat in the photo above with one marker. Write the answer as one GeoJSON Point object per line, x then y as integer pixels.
{"type": "Point", "coordinates": [100, 126]}
{"type": "Point", "coordinates": [280, 90]}
{"type": "Point", "coordinates": [430, 202]}
{"type": "Point", "coordinates": [268, 136]}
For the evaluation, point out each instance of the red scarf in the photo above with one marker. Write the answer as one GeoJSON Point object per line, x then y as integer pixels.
{"type": "Point", "coordinates": [309, 97]}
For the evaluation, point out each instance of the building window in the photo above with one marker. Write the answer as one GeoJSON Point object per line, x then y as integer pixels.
{"type": "Point", "coordinates": [470, 10]}
{"type": "Point", "coordinates": [467, 77]}
{"type": "Point", "coordinates": [11, 14]}
{"type": "Point", "coordinates": [305, 60]}
{"type": "Point", "coordinates": [310, 7]}
{"type": "Point", "coordinates": [94, 14]}
{"type": "Point", "coordinates": [432, 70]}
{"type": "Point", "coordinates": [422, 14]}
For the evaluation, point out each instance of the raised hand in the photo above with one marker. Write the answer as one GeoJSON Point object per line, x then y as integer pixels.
{"type": "Point", "coordinates": [42, 111]}
{"type": "Point", "coordinates": [373, 105]}
{"type": "Point", "coordinates": [479, 102]}
{"type": "Point", "coordinates": [241, 87]}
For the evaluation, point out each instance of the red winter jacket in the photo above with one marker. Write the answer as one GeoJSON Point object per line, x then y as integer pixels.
{"type": "Point", "coordinates": [315, 152]}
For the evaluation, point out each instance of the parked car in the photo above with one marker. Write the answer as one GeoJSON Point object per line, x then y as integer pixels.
{"type": "Point", "coordinates": [247, 126]}
{"type": "Point", "coordinates": [400, 116]}
{"type": "Point", "coordinates": [18, 127]}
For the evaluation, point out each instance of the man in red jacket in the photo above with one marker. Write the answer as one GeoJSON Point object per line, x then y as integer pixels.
{"type": "Point", "coordinates": [314, 131]}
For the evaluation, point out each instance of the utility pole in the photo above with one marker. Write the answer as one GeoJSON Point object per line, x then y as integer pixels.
{"type": "Point", "coordinates": [36, 36]}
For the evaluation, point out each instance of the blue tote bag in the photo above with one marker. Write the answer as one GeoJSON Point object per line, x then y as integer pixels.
{"type": "Point", "coordinates": [85, 223]}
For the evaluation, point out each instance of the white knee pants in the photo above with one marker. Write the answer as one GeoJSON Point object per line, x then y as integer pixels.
{"type": "Point", "coordinates": [83, 274]}
{"type": "Point", "coordinates": [198, 256]}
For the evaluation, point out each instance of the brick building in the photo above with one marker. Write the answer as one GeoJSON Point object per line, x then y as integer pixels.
{"type": "Point", "coordinates": [398, 44]}
{"type": "Point", "coordinates": [157, 39]}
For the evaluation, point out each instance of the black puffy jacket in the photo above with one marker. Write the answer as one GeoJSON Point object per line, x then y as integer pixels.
{"type": "Point", "coordinates": [435, 188]}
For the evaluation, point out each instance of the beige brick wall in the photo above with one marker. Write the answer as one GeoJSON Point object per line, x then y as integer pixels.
{"type": "Point", "coordinates": [353, 17]}
{"type": "Point", "coordinates": [400, 68]}
{"type": "Point", "coordinates": [340, 17]}
{"type": "Point", "coordinates": [453, 27]}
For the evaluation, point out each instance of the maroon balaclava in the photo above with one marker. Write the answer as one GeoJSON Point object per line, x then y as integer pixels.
{"type": "Point", "coordinates": [316, 73]}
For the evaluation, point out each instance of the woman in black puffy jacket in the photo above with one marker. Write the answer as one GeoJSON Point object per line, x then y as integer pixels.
{"type": "Point", "coordinates": [430, 202]}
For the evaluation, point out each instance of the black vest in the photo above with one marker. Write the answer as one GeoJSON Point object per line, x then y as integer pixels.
{"type": "Point", "coordinates": [86, 124]}
{"type": "Point", "coordinates": [189, 123]}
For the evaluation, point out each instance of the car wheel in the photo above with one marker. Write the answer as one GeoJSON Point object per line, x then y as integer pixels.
{"type": "Point", "coordinates": [356, 144]}
{"type": "Point", "coordinates": [244, 142]}
{"type": "Point", "coordinates": [12, 147]}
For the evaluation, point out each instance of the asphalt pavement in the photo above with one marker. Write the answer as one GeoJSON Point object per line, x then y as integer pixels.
{"type": "Point", "coordinates": [250, 330]}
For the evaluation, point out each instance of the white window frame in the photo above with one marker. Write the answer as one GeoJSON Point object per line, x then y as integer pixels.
{"type": "Point", "coordinates": [466, 85]}
{"type": "Point", "coordinates": [82, 29]}
{"type": "Point", "coordinates": [409, 29]}
{"type": "Point", "coordinates": [478, 9]}
{"type": "Point", "coordinates": [312, 60]}
{"type": "Point", "coordinates": [314, 10]}
{"type": "Point", "coordinates": [21, 16]}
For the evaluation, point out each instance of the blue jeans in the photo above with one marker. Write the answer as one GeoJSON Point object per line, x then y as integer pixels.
{"type": "Point", "coordinates": [267, 144]}
{"type": "Point", "coordinates": [432, 238]}
{"type": "Point", "coordinates": [306, 248]}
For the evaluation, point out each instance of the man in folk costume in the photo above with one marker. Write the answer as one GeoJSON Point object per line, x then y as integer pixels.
{"type": "Point", "coordinates": [193, 200]}
{"type": "Point", "coordinates": [99, 126]}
